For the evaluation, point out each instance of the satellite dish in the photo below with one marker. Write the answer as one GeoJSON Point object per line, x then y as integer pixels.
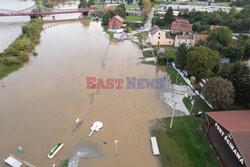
{"type": "Point", "coordinates": [96, 126]}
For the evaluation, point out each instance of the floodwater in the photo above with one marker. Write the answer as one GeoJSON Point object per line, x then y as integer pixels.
{"type": "Point", "coordinates": [41, 101]}
{"type": "Point", "coordinates": [10, 27]}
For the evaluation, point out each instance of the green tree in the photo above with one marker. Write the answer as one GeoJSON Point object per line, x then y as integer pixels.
{"type": "Point", "coordinates": [181, 56]}
{"type": "Point", "coordinates": [145, 6]}
{"type": "Point", "coordinates": [220, 37]}
{"type": "Point", "coordinates": [169, 16]}
{"type": "Point", "coordinates": [219, 92]}
{"type": "Point", "coordinates": [202, 62]}
{"type": "Point", "coordinates": [196, 26]}
{"type": "Point", "coordinates": [121, 11]}
{"type": "Point", "coordinates": [91, 2]}
{"type": "Point", "coordinates": [233, 10]}
{"type": "Point", "coordinates": [238, 73]}
{"type": "Point", "coordinates": [106, 17]}
{"type": "Point", "coordinates": [83, 4]}
{"type": "Point", "coordinates": [234, 52]}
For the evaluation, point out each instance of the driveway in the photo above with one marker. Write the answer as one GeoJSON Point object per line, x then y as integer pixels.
{"type": "Point", "coordinates": [148, 24]}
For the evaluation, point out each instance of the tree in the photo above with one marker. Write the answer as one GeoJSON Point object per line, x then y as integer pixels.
{"type": "Point", "coordinates": [220, 37]}
{"type": "Point", "coordinates": [219, 92]}
{"type": "Point", "coordinates": [233, 10]}
{"type": "Point", "coordinates": [202, 62]}
{"type": "Point", "coordinates": [83, 4]}
{"type": "Point", "coordinates": [238, 74]}
{"type": "Point", "coordinates": [145, 7]}
{"type": "Point", "coordinates": [91, 2]}
{"type": "Point", "coordinates": [181, 56]}
{"type": "Point", "coordinates": [121, 10]}
{"type": "Point", "coordinates": [169, 16]}
{"type": "Point", "coordinates": [106, 17]}
{"type": "Point", "coordinates": [234, 52]}
{"type": "Point", "coordinates": [196, 26]}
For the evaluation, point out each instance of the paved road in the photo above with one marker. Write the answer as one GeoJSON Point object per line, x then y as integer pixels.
{"type": "Point", "coordinates": [148, 24]}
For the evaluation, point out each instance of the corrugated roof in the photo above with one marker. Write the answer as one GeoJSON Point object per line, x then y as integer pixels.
{"type": "Point", "coordinates": [238, 124]}
{"type": "Point", "coordinates": [242, 139]}
{"type": "Point", "coordinates": [232, 120]}
{"type": "Point", "coordinates": [181, 21]}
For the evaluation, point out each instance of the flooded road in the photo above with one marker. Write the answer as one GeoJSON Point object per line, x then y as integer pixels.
{"type": "Point", "coordinates": [41, 101]}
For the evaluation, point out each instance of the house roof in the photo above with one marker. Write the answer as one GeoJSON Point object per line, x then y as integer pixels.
{"type": "Point", "coordinates": [107, 8]}
{"type": "Point", "coordinates": [199, 37]}
{"type": "Point", "coordinates": [238, 124]}
{"type": "Point", "coordinates": [181, 21]}
{"type": "Point", "coordinates": [181, 27]}
{"type": "Point", "coordinates": [154, 30]}
{"type": "Point", "coordinates": [184, 36]}
{"type": "Point", "coordinates": [118, 18]}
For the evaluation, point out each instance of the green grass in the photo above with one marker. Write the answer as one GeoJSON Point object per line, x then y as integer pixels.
{"type": "Point", "coordinates": [111, 34]}
{"type": "Point", "coordinates": [147, 54]}
{"type": "Point", "coordinates": [132, 6]}
{"type": "Point", "coordinates": [222, 3]}
{"type": "Point", "coordinates": [172, 72]}
{"type": "Point", "coordinates": [185, 144]}
{"type": "Point", "coordinates": [148, 62]}
{"type": "Point", "coordinates": [133, 18]}
{"type": "Point", "coordinates": [5, 70]}
{"type": "Point", "coordinates": [171, 54]}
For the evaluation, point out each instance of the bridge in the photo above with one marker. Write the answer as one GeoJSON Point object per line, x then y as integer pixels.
{"type": "Point", "coordinates": [40, 11]}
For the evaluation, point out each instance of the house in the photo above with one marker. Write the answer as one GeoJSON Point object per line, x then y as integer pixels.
{"type": "Point", "coordinates": [186, 39]}
{"type": "Point", "coordinates": [198, 37]}
{"type": "Point", "coordinates": [182, 28]}
{"type": "Point", "coordinates": [181, 21]}
{"type": "Point", "coordinates": [156, 36]}
{"type": "Point", "coordinates": [116, 22]}
{"type": "Point", "coordinates": [109, 8]}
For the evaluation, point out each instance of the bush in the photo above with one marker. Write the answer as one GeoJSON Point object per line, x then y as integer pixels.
{"type": "Point", "coordinates": [11, 60]}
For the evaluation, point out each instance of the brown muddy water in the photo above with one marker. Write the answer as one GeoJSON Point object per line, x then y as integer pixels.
{"type": "Point", "coordinates": [41, 101]}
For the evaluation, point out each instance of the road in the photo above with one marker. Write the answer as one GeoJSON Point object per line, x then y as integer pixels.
{"type": "Point", "coordinates": [148, 24]}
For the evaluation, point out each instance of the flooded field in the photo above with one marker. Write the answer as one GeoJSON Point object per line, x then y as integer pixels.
{"type": "Point", "coordinates": [41, 101]}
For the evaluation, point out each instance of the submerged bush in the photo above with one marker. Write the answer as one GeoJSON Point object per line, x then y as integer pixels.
{"type": "Point", "coordinates": [18, 51]}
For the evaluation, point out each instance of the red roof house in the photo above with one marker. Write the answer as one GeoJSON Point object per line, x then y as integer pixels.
{"type": "Point", "coordinates": [109, 8]}
{"type": "Point", "coordinates": [181, 21]}
{"type": "Point", "coordinates": [183, 28]}
{"type": "Point", "coordinates": [198, 37]}
{"type": "Point", "coordinates": [116, 22]}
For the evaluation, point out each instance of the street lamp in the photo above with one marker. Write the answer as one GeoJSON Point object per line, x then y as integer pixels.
{"type": "Point", "coordinates": [172, 119]}
{"type": "Point", "coordinates": [192, 102]}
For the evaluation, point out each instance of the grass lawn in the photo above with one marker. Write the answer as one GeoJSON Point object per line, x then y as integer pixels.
{"type": "Point", "coordinates": [199, 104]}
{"type": "Point", "coordinates": [132, 6]}
{"type": "Point", "coordinates": [111, 34]}
{"type": "Point", "coordinates": [185, 144]}
{"type": "Point", "coordinates": [172, 72]}
{"type": "Point", "coordinates": [171, 54]}
{"type": "Point", "coordinates": [222, 3]}
{"type": "Point", "coordinates": [64, 163]}
{"type": "Point", "coordinates": [148, 62]}
{"type": "Point", "coordinates": [5, 70]}
{"type": "Point", "coordinates": [133, 18]}
{"type": "Point", "coordinates": [147, 54]}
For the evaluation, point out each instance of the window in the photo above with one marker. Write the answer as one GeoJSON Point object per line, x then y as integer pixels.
{"type": "Point", "coordinates": [159, 33]}
{"type": "Point", "coordinates": [169, 42]}
{"type": "Point", "coordinates": [159, 37]}
{"type": "Point", "coordinates": [114, 21]}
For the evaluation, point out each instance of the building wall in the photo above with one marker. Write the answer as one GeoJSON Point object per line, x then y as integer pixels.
{"type": "Point", "coordinates": [115, 24]}
{"type": "Point", "coordinates": [189, 42]}
{"type": "Point", "coordinates": [160, 38]}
